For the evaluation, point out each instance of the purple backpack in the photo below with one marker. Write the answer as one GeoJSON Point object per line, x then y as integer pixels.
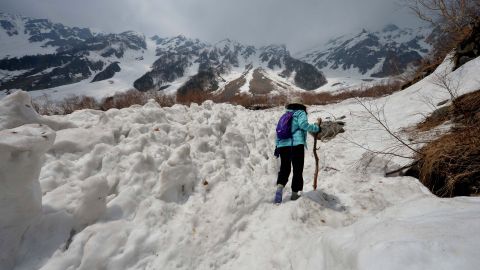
{"type": "Point", "coordinates": [284, 126]}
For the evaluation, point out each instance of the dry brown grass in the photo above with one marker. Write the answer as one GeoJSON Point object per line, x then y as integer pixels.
{"type": "Point", "coordinates": [465, 109]}
{"type": "Point", "coordinates": [437, 118]}
{"type": "Point", "coordinates": [249, 101]}
{"type": "Point", "coordinates": [260, 85]}
{"type": "Point", "coordinates": [190, 97]}
{"type": "Point", "coordinates": [45, 106]}
{"type": "Point", "coordinates": [134, 97]}
{"type": "Point", "coordinates": [374, 91]}
{"type": "Point", "coordinates": [66, 106]}
{"type": "Point", "coordinates": [450, 165]}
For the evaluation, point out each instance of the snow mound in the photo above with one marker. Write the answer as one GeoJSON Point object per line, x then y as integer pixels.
{"type": "Point", "coordinates": [16, 109]}
{"type": "Point", "coordinates": [406, 235]}
{"type": "Point", "coordinates": [81, 139]}
{"type": "Point", "coordinates": [22, 152]}
{"type": "Point", "coordinates": [148, 187]}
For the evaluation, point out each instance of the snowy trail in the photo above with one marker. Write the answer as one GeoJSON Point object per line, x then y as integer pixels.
{"type": "Point", "coordinates": [191, 188]}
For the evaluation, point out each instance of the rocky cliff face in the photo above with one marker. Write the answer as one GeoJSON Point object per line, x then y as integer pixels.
{"type": "Point", "coordinates": [53, 55]}
{"type": "Point", "coordinates": [469, 48]}
{"type": "Point", "coordinates": [71, 54]}
{"type": "Point", "coordinates": [207, 65]}
{"type": "Point", "coordinates": [384, 53]}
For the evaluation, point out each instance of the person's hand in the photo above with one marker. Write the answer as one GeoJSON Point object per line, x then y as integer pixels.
{"type": "Point", "coordinates": [319, 121]}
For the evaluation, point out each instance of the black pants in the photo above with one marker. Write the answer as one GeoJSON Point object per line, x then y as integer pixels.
{"type": "Point", "coordinates": [295, 156]}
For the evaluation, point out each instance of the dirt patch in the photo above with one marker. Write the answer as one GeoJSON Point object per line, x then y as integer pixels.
{"type": "Point", "coordinates": [464, 109]}
{"type": "Point", "coordinates": [232, 88]}
{"type": "Point", "coordinates": [260, 84]}
{"type": "Point", "coordinates": [450, 165]}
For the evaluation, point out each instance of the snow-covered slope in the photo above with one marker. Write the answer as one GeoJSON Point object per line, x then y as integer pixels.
{"type": "Point", "coordinates": [371, 54]}
{"type": "Point", "coordinates": [37, 54]}
{"type": "Point", "coordinates": [191, 188]}
{"type": "Point", "coordinates": [194, 65]}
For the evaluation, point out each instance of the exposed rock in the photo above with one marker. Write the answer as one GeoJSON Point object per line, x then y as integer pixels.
{"type": "Point", "coordinates": [469, 48]}
{"type": "Point", "coordinates": [202, 81]}
{"type": "Point", "coordinates": [107, 73]}
{"type": "Point", "coordinates": [391, 51]}
{"type": "Point", "coordinates": [144, 83]}
{"type": "Point", "coordinates": [75, 70]}
{"type": "Point", "coordinates": [330, 129]}
{"type": "Point", "coordinates": [72, 62]}
{"type": "Point", "coordinates": [306, 76]}
{"type": "Point", "coordinates": [260, 85]}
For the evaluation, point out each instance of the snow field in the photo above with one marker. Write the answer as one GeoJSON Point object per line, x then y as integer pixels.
{"type": "Point", "coordinates": [22, 152]}
{"type": "Point", "coordinates": [192, 187]}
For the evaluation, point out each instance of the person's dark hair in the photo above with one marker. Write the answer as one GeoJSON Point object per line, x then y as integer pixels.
{"type": "Point", "coordinates": [297, 107]}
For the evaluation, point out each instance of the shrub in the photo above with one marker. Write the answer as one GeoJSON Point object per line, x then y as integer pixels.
{"type": "Point", "coordinates": [450, 165]}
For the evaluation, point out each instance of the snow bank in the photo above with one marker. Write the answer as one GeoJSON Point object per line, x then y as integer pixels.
{"type": "Point", "coordinates": [148, 187]}
{"type": "Point", "coordinates": [22, 152]}
{"type": "Point", "coordinates": [16, 109]}
{"type": "Point", "coordinates": [430, 233]}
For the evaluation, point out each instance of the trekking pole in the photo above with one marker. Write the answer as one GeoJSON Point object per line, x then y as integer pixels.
{"type": "Point", "coordinates": [315, 177]}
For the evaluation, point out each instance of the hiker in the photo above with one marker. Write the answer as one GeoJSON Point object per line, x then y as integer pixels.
{"type": "Point", "coordinates": [291, 142]}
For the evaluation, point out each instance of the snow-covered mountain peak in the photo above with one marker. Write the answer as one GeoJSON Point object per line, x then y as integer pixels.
{"type": "Point", "coordinates": [389, 51]}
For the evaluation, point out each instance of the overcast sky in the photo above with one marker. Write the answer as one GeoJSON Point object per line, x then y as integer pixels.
{"type": "Point", "coordinates": [299, 24]}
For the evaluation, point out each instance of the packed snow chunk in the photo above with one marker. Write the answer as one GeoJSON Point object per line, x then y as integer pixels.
{"type": "Point", "coordinates": [177, 176]}
{"type": "Point", "coordinates": [428, 233]}
{"type": "Point", "coordinates": [21, 157]}
{"type": "Point", "coordinates": [93, 203]}
{"type": "Point", "coordinates": [81, 139]}
{"type": "Point", "coordinates": [17, 109]}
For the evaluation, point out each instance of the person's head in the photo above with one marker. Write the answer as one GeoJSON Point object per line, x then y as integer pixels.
{"type": "Point", "coordinates": [296, 103]}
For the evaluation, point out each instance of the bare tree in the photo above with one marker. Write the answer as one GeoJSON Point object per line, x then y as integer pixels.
{"type": "Point", "coordinates": [451, 15]}
{"type": "Point", "coordinates": [452, 87]}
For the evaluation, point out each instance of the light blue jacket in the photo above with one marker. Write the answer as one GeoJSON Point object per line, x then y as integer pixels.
{"type": "Point", "coordinates": [300, 127]}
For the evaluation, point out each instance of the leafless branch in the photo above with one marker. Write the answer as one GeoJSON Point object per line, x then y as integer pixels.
{"type": "Point", "coordinates": [378, 119]}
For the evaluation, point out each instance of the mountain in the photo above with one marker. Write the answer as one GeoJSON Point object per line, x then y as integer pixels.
{"type": "Point", "coordinates": [37, 54]}
{"type": "Point", "coordinates": [192, 187]}
{"type": "Point", "coordinates": [388, 52]}
{"type": "Point", "coordinates": [226, 66]}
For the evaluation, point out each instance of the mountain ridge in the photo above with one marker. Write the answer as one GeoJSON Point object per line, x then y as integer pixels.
{"type": "Point", "coordinates": [43, 55]}
{"type": "Point", "coordinates": [65, 55]}
{"type": "Point", "coordinates": [382, 53]}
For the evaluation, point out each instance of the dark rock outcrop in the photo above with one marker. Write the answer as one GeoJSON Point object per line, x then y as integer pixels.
{"type": "Point", "coordinates": [107, 73]}
{"type": "Point", "coordinates": [377, 54]}
{"type": "Point", "coordinates": [469, 48]}
{"type": "Point", "coordinates": [71, 62]}
{"type": "Point", "coordinates": [205, 80]}
{"type": "Point", "coordinates": [306, 76]}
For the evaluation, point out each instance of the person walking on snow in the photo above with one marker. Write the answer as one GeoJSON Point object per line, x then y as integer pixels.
{"type": "Point", "coordinates": [292, 150]}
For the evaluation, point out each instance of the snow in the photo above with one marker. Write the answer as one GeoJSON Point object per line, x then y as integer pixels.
{"type": "Point", "coordinates": [245, 88]}
{"type": "Point", "coordinates": [16, 109]}
{"type": "Point", "coordinates": [22, 151]}
{"type": "Point", "coordinates": [352, 75]}
{"type": "Point", "coordinates": [132, 67]}
{"type": "Point", "coordinates": [17, 45]}
{"type": "Point", "coordinates": [183, 187]}
{"type": "Point", "coordinates": [406, 235]}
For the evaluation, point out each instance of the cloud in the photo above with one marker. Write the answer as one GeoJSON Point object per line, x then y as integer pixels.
{"type": "Point", "coordinates": [298, 24]}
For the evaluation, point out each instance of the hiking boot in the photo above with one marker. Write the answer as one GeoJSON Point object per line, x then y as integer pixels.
{"type": "Point", "coordinates": [278, 195]}
{"type": "Point", "coordinates": [294, 196]}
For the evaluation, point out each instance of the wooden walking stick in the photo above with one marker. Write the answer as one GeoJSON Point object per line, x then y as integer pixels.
{"type": "Point", "coordinates": [315, 177]}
